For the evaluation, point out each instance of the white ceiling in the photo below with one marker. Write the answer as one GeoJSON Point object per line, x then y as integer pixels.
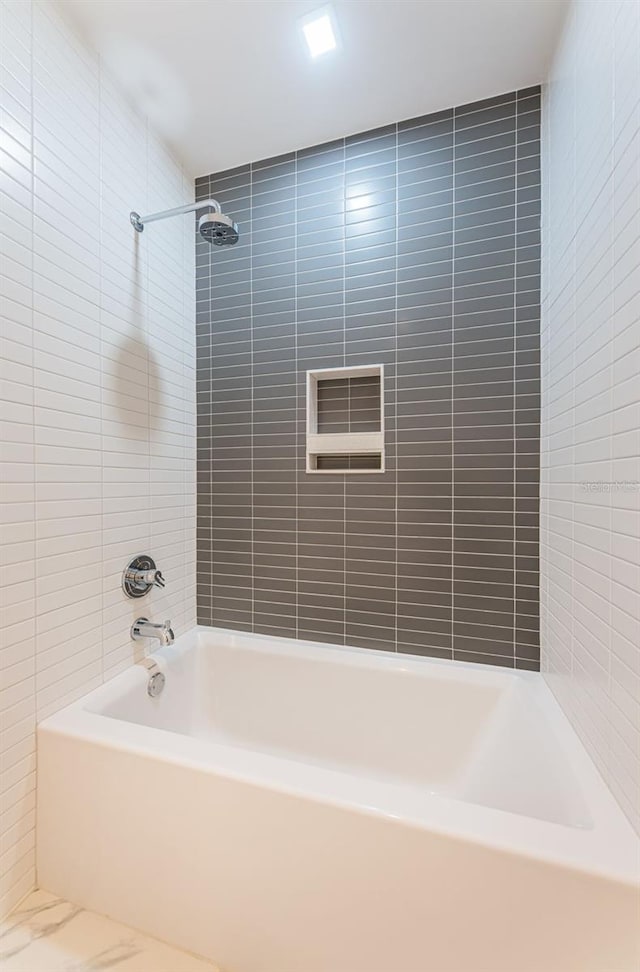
{"type": "Point", "coordinates": [229, 81]}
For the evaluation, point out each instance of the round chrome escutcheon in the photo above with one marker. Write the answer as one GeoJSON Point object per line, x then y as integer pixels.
{"type": "Point", "coordinates": [156, 684]}
{"type": "Point", "coordinates": [135, 577]}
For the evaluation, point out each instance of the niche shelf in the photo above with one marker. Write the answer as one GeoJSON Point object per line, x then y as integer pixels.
{"type": "Point", "coordinates": [345, 420]}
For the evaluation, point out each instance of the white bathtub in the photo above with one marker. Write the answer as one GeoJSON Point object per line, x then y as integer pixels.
{"type": "Point", "coordinates": [289, 807]}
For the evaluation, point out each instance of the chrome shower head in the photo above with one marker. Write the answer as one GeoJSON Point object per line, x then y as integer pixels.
{"type": "Point", "coordinates": [218, 229]}
{"type": "Point", "coordinates": [214, 227]}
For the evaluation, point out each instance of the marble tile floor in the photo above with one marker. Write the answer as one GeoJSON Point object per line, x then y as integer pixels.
{"type": "Point", "coordinates": [49, 934]}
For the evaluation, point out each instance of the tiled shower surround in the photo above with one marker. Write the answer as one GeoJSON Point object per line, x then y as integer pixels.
{"type": "Point", "coordinates": [415, 246]}
{"type": "Point", "coordinates": [590, 545]}
{"type": "Point", "coordinates": [97, 376]}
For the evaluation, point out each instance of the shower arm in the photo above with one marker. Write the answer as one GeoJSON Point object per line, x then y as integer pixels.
{"type": "Point", "coordinates": [138, 222]}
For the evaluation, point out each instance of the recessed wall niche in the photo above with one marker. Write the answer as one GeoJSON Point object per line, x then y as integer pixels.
{"type": "Point", "coordinates": [345, 420]}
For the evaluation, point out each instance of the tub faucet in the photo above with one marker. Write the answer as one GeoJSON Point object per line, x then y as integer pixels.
{"type": "Point", "coordinates": [142, 628]}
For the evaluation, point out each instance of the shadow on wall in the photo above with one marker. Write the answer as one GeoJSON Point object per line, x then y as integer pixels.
{"type": "Point", "coordinates": [131, 368]}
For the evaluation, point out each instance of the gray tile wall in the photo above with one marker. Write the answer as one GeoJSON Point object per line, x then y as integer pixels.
{"type": "Point", "coordinates": [349, 405]}
{"type": "Point", "coordinates": [415, 246]}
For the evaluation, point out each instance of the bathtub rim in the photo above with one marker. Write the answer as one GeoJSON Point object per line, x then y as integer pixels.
{"type": "Point", "coordinates": [608, 849]}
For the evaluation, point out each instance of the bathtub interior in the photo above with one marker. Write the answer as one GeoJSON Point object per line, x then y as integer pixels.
{"type": "Point", "coordinates": [480, 736]}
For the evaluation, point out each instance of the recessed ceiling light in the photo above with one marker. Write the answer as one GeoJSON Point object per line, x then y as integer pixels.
{"type": "Point", "coordinates": [319, 32]}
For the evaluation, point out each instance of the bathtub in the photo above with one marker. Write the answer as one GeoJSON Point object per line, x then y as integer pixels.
{"type": "Point", "coordinates": [290, 807]}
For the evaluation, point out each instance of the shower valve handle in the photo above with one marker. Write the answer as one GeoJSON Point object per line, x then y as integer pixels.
{"type": "Point", "coordinates": [140, 575]}
{"type": "Point", "coordinates": [149, 578]}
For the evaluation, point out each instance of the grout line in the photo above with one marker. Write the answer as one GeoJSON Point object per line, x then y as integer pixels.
{"type": "Point", "coordinates": [453, 391]}
{"type": "Point", "coordinates": [252, 366]}
{"type": "Point", "coordinates": [395, 391]}
{"type": "Point", "coordinates": [101, 368]}
{"type": "Point", "coordinates": [32, 197]}
{"type": "Point", "coordinates": [515, 383]}
{"type": "Point", "coordinates": [344, 362]}
{"type": "Point", "coordinates": [296, 414]}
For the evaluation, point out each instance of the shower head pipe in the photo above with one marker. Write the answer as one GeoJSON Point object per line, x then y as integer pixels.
{"type": "Point", "coordinates": [138, 222]}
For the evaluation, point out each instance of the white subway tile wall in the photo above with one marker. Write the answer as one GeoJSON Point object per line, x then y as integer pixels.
{"type": "Point", "coordinates": [590, 536]}
{"type": "Point", "coordinates": [98, 391]}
